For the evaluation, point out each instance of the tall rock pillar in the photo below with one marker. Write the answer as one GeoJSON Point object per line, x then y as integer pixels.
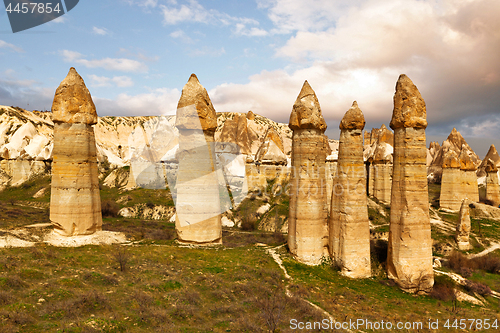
{"type": "Point", "coordinates": [198, 205]}
{"type": "Point", "coordinates": [349, 240]}
{"type": "Point", "coordinates": [307, 224]}
{"type": "Point", "coordinates": [382, 166]}
{"type": "Point", "coordinates": [451, 191]}
{"type": "Point", "coordinates": [409, 260]}
{"type": "Point", "coordinates": [469, 187]}
{"type": "Point", "coordinates": [492, 186]}
{"type": "Point", "coordinates": [75, 202]}
{"type": "Point", "coordinates": [463, 227]}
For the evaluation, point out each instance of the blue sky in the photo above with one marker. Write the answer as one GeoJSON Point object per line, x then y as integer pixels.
{"type": "Point", "coordinates": [135, 56]}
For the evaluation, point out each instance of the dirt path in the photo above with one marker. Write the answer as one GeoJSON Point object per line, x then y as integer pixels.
{"type": "Point", "coordinates": [276, 257]}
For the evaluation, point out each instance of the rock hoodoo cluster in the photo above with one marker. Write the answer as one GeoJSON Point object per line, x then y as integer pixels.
{"type": "Point", "coordinates": [349, 228]}
{"type": "Point", "coordinates": [198, 219]}
{"type": "Point", "coordinates": [307, 222]}
{"type": "Point", "coordinates": [75, 203]}
{"type": "Point", "coordinates": [409, 260]}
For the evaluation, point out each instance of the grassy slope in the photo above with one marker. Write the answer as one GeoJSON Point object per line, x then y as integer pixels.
{"type": "Point", "coordinates": [173, 289]}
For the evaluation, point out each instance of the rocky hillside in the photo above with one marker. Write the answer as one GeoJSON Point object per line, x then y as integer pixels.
{"type": "Point", "coordinates": [26, 139]}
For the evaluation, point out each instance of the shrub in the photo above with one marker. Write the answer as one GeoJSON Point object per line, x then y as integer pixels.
{"type": "Point", "coordinates": [443, 289]}
{"type": "Point", "coordinates": [122, 257]}
{"type": "Point", "coordinates": [109, 208]}
{"type": "Point", "coordinates": [477, 287]}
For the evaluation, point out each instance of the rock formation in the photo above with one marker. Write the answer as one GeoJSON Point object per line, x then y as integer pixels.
{"type": "Point", "coordinates": [75, 203]}
{"type": "Point", "coordinates": [469, 187]}
{"type": "Point", "coordinates": [451, 194]}
{"type": "Point", "coordinates": [463, 226]}
{"type": "Point", "coordinates": [198, 219]}
{"type": "Point", "coordinates": [271, 150]}
{"type": "Point", "coordinates": [382, 171]}
{"type": "Point", "coordinates": [492, 186]}
{"type": "Point", "coordinates": [491, 155]}
{"type": "Point", "coordinates": [236, 131]}
{"type": "Point", "coordinates": [455, 142]}
{"type": "Point", "coordinates": [307, 222]}
{"type": "Point", "coordinates": [409, 260]}
{"type": "Point", "coordinates": [349, 240]}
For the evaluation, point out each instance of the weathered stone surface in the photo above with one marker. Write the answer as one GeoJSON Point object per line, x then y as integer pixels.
{"type": "Point", "coordinates": [492, 186]}
{"type": "Point", "coordinates": [250, 115]}
{"type": "Point", "coordinates": [237, 131]}
{"type": "Point", "coordinates": [382, 171]}
{"type": "Point", "coordinates": [75, 203]}
{"type": "Point", "coordinates": [195, 108]}
{"type": "Point", "coordinates": [72, 101]}
{"type": "Point", "coordinates": [409, 260]}
{"type": "Point", "coordinates": [463, 226]}
{"type": "Point", "coordinates": [271, 150]}
{"type": "Point", "coordinates": [349, 240]}
{"type": "Point", "coordinates": [454, 142]}
{"type": "Point", "coordinates": [307, 222]}
{"type": "Point", "coordinates": [491, 155]}
{"type": "Point", "coordinates": [198, 218]}
{"type": "Point", "coordinates": [306, 113]}
{"type": "Point", "coordinates": [469, 188]}
{"type": "Point", "coordinates": [451, 194]}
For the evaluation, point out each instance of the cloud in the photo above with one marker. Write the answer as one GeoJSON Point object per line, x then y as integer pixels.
{"type": "Point", "coordinates": [100, 31]}
{"type": "Point", "coordinates": [448, 48]}
{"type": "Point", "coordinates": [118, 81]}
{"type": "Point", "coordinates": [192, 11]}
{"type": "Point", "coordinates": [5, 45]}
{"type": "Point", "coordinates": [115, 64]}
{"type": "Point", "coordinates": [180, 34]}
{"type": "Point", "coordinates": [13, 90]}
{"type": "Point", "coordinates": [158, 102]}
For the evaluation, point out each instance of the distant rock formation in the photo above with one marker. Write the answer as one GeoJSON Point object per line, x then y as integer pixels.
{"type": "Point", "coordinates": [198, 219]}
{"type": "Point", "coordinates": [451, 194]}
{"type": "Point", "coordinates": [382, 172]}
{"type": "Point", "coordinates": [349, 239]}
{"type": "Point", "coordinates": [455, 142]}
{"type": "Point", "coordinates": [237, 131]}
{"type": "Point", "coordinates": [463, 226]}
{"type": "Point", "coordinates": [271, 150]}
{"type": "Point", "coordinates": [492, 186]}
{"type": "Point", "coordinates": [75, 202]}
{"type": "Point", "coordinates": [409, 261]}
{"type": "Point", "coordinates": [491, 155]}
{"type": "Point", "coordinates": [469, 186]}
{"type": "Point", "coordinates": [307, 222]}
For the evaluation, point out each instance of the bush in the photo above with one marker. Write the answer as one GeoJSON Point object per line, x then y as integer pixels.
{"type": "Point", "coordinates": [465, 266]}
{"type": "Point", "coordinates": [443, 289]}
{"type": "Point", "coordinates": [109, 208]}
{"type": "Point", "coordinates": [477, 287]}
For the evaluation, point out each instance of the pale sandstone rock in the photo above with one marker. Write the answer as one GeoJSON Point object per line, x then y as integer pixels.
{"type": "Point", "coordinates": [307, 222]}
{"type": "Point", "coordinates": [236, 131]}
{"type": "Point", "coordinates": [463, 226]}
{"type": "Point", "coordinates": [271, 150]}
{"type": "Point", "coordinates": [492, 186]}
{"type": "Point", "coordinates": [469, 186]}
{"type": "Point", "coordinates": [198, 219]}
{"type": "Point", "coordinates": [451, 191]}
{"type": "Point", "coordinates": [409, 260]}
{"type": "Point", "coordinates": [382, 171]}
{"type": "Point", "coordinates": [75, 203]}
{"type": "Point", "coordinates": [491, 155]}
{"type": "Point", "coordinates": [349, 226]}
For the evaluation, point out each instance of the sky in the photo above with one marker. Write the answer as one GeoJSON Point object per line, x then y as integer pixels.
{"type": "Point", "coordinates": [136, 55]}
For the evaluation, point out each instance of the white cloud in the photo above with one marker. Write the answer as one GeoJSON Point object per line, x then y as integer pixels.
{"type": "Point", "coordinates": [118, 81]}
{"type": "Point", "coordinates": [158, 102]}
{"type": "Point", "coordinates": [60, 19]}
{"type": "Point", "coordinates": [116, 64]}
{"type": "Point", "coordinates": [181, 35]}
{"type": "Point", "coordinates": [192, 11]}
{"type": "Point", "coordinates": [100, 31]}
{"type": "Point", "coordinates": [4, 44]}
